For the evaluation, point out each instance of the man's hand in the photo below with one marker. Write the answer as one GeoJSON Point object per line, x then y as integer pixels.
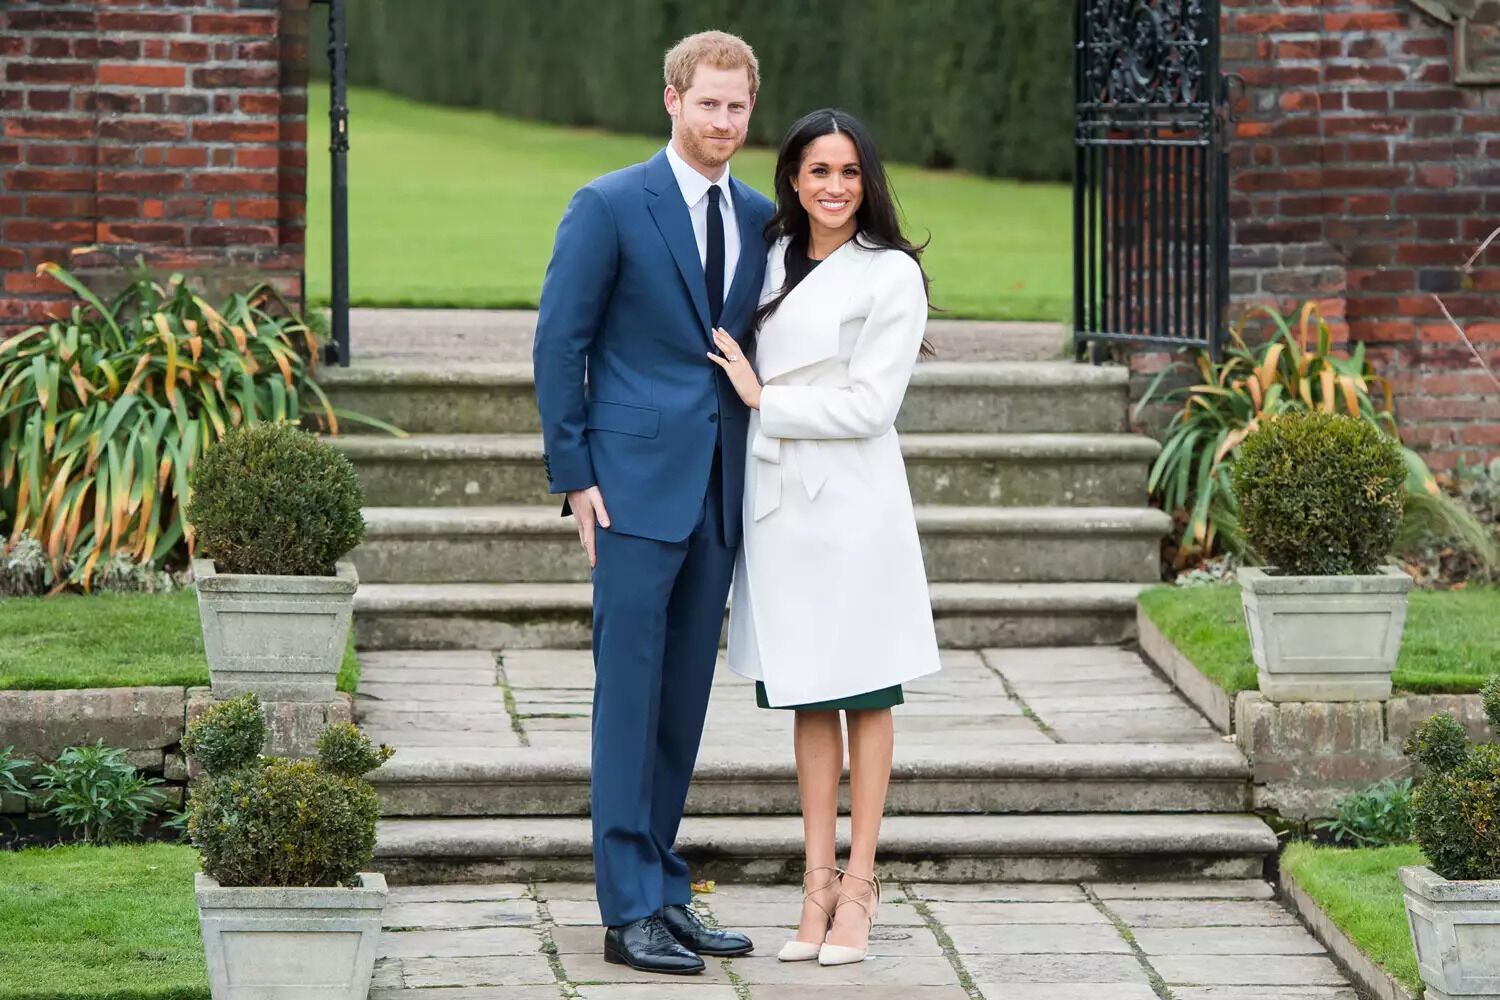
{"type": "Point", "coordinates": [588, 510]}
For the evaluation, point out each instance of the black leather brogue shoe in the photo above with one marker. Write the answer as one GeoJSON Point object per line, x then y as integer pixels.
{"type": "Point", "coordinates": [691, 932]}
{"type": "Point", "coordinates": [646, 945]}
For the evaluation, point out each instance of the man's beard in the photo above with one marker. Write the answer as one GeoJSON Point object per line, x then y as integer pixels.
{"type": "Point", "coordinates": [709, 154]}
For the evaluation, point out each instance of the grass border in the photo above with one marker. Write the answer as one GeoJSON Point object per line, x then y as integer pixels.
{"type": "Point", "coordinates": [1372, 980]}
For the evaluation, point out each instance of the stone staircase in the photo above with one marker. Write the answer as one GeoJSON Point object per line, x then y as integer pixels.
{"type": "Point", "coordinates": [1030, 499]}
{"type": "Point", "coordinates": [1042, 751]}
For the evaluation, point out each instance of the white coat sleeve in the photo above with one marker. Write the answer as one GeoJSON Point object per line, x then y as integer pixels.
{"type": "Point", "coordinates": [879, 369]}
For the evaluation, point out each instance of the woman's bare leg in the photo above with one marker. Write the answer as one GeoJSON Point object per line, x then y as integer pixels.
{"type": "Point", "coordinates": [819, 744]}
{"type": "Point", "coordinates": [872, 741]}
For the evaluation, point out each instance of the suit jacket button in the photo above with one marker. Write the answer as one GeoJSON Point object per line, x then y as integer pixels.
{"type": "Point", "coordinates": [713, 418]}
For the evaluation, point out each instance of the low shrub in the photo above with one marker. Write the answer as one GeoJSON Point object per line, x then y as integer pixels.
{"type": "Point", "coordinates": [103, 413]}
{"type": "Point", "coordinates": [10, 768]}
{"type": "Point", "coordinates": [1320, 494]}
{"type": "Point", "coordinates": [1456, 805]}
{"type": "Point", "coordinates": [268, 821]}
{"type": "Point", "coordinates": [275, 499]}
{"type": "Point", "coordinates": [1294, 369]}
{"type": "Point", "coordinates": [1378, 816]}
{"type": "Point", "coordinates": [94, 792]}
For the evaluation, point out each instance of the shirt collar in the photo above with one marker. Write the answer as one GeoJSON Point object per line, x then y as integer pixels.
{"type": "Point", "coordinates": [690, 182]}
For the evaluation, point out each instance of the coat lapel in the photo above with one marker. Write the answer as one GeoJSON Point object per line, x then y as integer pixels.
{"type": "Point", "coordinates": [804, 329]}
{"type": "Point", "coordinates": [670, 212]}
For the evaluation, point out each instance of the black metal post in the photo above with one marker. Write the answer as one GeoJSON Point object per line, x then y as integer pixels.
{"type": "Point", "coordinates": [338, 148]}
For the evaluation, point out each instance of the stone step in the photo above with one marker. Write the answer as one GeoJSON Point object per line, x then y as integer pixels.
{"type": "Point", "coordinates": [521, 544]}
{"type": "Point", "coordinates": [1210, 777]}
{"type": "Point", "coordinates": [557, 615]}
{"type": "Point", "coordinates": [1006, 470]}
{"type": "Point", "coordinates": [458, 397]}
{"type": "Point", "coordinates": [956, 848]}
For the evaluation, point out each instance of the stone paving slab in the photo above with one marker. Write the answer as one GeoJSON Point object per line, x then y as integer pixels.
{"type": "Point", "coordinates": [1238, 970]}
{"type": "Point", "coordinates": [1037, 939]}
{"type": "Point", "coordinates": [467, 913]}
{"type": "Point", "coordinates": [1018, 913]}
{"type": "Point", "coordinates": [470, 993]}
{"type": "Point", "coordinates": [458, 893]}
{"type": "Point", "coordinates": [1202, 941]}
{"type": "Point", "coordinates": [993, 941]}
{"type": "Point", "coordinates": [656, 991]}
{"type": "Point", "coordinates": [485, 970]}
{"type": "Point", "coordinates": [1072, 968]}
{"type": "Point", "coordinates": [999, 892]}
{"type": "Point", "coordinates": [981, 699]}
{"type": "Point", "coordinates": [1201, 913]}
{"type": "Point", "coordinates": [496, 336]}
{"type": "Point", "coordinates": [1067, 991]}
{"type": "Point", "coordinates": [1264, 993]}
{"type": "Point", "coordinates": [1191, 889]}
{"type": "Point", "coordinates": [461, 943]}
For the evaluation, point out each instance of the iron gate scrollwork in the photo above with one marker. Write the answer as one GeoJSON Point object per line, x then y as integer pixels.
{"type": "Point", "coordinates": [1150, 185]}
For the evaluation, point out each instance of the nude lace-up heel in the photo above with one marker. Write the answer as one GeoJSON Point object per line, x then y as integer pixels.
{"type": "Point", "coordinates": [833, 954]}
{"type": "Point", "coordinates": [803, 951]}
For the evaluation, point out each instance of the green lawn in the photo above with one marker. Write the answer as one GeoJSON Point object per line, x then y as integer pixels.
{"type": "Point", "coordinates": [1451, 644]}
{"type": "Point", "coordinates": [100, 923]}
{"type": "Point", "coordinates": [111, 640]}
{"type": "Point", "coordinates": [453, 207]}
{"type": "Point", "coordinates": [1359, 891]}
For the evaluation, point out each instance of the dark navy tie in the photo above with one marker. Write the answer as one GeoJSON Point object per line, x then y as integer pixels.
{"type": "Point", "coordinates": [714, 265]}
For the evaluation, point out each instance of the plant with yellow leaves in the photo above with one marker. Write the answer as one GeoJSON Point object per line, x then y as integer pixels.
{"type": "Point", "coordinates": [1294, 370]}
{"type": "Point", "coordinates": [103, 414]}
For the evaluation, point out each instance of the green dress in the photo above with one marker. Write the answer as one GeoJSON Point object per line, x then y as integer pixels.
{"type": "Point", "coordinates": [884, 698]}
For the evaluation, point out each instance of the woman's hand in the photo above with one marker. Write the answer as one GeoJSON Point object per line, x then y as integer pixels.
{"type": "Point", "coordinates": [737, 367]}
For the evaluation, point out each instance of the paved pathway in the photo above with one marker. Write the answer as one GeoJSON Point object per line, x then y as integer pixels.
{"type": "Point", "coordinates": [1212, 940]}
{"type": "Point", "coordinates": [504, 335]}
{"type": "Point", "coordinates": [1000, 697]}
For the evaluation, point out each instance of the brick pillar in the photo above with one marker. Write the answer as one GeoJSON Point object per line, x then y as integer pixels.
{"type": "Point", "coordinates": [1363, 176]}
{"type": "Point", "coordinates": [173, 132]}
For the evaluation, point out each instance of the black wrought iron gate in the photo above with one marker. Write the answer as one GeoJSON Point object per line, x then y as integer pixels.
{"type": "Point", "coordinates": [1150, 188]}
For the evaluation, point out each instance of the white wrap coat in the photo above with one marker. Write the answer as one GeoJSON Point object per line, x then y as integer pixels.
{"type": "Point", "coordinates": [830, 596]}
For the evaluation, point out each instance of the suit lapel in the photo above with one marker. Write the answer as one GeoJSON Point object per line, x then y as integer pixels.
{"type": "Point", "coordinates": [752, 246]}
{"type": "Point", "coordinates": [665, 203]}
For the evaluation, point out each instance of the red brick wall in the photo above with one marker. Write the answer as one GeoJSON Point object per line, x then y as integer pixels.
{"type": "Point", "coordinates": [175, 131]}
{"type": "Point", "coordinates": [1363, 176]}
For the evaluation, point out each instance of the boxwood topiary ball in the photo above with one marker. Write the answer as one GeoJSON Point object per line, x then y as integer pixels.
{"type": "Point", "coordinates": [274, 499]}
{"type": "Point", "coordinates": [229, 735]}
{"type": "Point", "coordinates": [1320, 494]}
{"type": "Point", "coordinates": [280, 822]}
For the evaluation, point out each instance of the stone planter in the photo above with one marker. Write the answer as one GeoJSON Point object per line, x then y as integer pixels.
{"type": "Point", "coordinates": [290, 943]}
{"type": "Point", "coordinates": [281, 637]}
{"type": "Point", "coordinates": [1455, 927]}
{"type": "Point", "coordinates": [1325, 638]}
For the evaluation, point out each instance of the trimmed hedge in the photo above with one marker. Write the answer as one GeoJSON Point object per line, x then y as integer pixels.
{"type": "Point", "coordinates": [274, 499]}
{"type": "Point", "coordinates": [1320, 494]}
{"type": "Point", "coordinates": [1455, 805]}
{"type": "Point", "coordinates": [269, 821]}
{"type": "Point", "coordinates": [974, 84]}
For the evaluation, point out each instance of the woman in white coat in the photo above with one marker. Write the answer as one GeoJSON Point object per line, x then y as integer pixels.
{"type": "Point", "coordinates": [830, 609]}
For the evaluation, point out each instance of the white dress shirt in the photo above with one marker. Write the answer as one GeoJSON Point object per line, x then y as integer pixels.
{"type": "Point", "coordinates": [694, 187]}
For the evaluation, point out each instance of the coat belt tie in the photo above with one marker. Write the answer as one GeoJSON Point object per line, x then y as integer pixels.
{"type": "Point", "coordinates": [768, 451]}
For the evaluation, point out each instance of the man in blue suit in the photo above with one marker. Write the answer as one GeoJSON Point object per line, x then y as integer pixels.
{"type": "Point", "coordinates": [646, 437]}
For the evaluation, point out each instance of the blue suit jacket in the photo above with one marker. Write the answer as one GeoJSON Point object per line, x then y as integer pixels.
{"type": "Point", "coordinates": [624, 302]}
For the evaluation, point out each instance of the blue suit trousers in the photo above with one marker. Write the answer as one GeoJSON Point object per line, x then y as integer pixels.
{"type": "Point", "coordinates": [658, 614]}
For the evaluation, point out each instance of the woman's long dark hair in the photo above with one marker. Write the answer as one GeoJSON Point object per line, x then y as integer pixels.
{"type": "Point", "coordinates": [878, 218]}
